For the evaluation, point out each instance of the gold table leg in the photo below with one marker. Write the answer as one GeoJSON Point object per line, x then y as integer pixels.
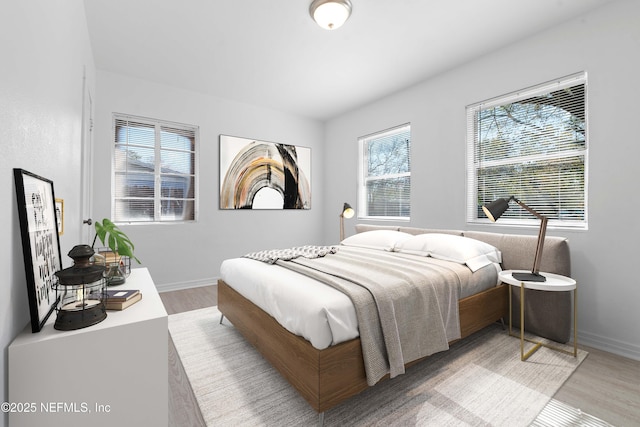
{"type": "Point", "coordinates": [575, 322]}
{"type": "Point", "coordinates": [539, 344]}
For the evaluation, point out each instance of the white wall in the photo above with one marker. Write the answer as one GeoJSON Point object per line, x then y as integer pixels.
{"type": "Point", "coordinates": [45, 49]}
{"type": "Point", "coordinates": [190, 254]}
{"type": "Point", "coordinates": [605, 43]}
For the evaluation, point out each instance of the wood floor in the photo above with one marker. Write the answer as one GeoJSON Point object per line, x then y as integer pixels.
{"type": "Point", "coordinates": [605, 385]}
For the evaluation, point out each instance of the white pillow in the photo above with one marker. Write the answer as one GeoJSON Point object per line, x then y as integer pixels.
{"type": "Point", "coordinates": [463, 250]}
{"type": "Point", "coordinates": [416, 245]}
{"type": "Point", "coordinates": [377, 239]}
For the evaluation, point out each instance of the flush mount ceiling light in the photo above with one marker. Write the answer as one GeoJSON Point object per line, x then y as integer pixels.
{"type": "Point", "coordinates": [330, 14]}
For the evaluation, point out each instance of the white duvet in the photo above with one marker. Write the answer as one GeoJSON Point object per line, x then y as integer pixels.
{"type": "Point", "coordinates": [322, 315]}
{"type": "Point", "coordinates": [327, 316]}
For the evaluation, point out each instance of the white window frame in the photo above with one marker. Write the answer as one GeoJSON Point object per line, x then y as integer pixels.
{"type": "Point", "coordinates": [473, 166]}
{"type": "Point", "coordinates": [362, 179]}
{"type": "Point", "coordinates": [157, 124]}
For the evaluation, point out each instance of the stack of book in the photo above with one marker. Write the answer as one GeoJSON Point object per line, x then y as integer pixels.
{"type": "Point", "coordinates": [119, 299]}
{"type": "Point", "coordinates": [110, 257]}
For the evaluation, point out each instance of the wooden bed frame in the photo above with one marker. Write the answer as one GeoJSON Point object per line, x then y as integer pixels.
{"type": "Point", "coordinates": [328, 377]}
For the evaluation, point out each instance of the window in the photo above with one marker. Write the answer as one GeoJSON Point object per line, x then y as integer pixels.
{"type": "Point", "coordinates": [154, 170]}
{"type": "Point", "coordinates": [532, 145]}
{"type": "Point", "coordinates": [385, 174]}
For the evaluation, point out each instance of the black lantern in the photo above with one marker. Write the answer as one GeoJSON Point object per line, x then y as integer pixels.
{"type": "Point", "coordinates": [81, 289]}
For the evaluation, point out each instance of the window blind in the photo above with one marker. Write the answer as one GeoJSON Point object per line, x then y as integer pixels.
{"type": "Point", "coordinates": [154, 170]}
{"type": "Point", "coordinates": [533, 145]}
{"type": "Point", "coordinates": [385, 178]}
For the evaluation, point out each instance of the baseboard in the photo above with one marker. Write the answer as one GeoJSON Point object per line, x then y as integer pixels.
{"type": "Point", "coordinates": [167, 287]}
{"type": "Point", "coordinates": [599, 342]}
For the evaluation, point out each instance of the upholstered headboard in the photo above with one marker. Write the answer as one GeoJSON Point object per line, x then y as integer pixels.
{"type": "Point", "coordinates": [548, 314]}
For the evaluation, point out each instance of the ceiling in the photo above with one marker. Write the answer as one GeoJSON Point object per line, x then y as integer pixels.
{"type": "Point", "coordinates": [270, 53]}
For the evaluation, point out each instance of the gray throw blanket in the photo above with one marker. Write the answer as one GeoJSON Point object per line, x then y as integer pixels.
{"type": "Point", "coordinates": [406, 310]}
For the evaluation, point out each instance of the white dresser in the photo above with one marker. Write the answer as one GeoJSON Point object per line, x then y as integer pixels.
{"type": "Point", "coordinates": [114, 373]}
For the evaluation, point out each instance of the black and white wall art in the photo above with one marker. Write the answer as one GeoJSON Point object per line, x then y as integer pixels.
{"type": "Point", "coordinates": [257, 174]}
{"type": "Point", "coordinates": [40, 243]}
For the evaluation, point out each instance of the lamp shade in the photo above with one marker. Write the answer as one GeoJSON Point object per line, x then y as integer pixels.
{"type": "Point", "coordinates": [495, 209]}
{"type": "Point", "coordinates": [347, 211]}
{"type": "Point", "coordinates": [330, 14]}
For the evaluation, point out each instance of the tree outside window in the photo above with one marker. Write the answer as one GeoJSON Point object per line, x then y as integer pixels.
{"type": "Point", "coordinates": [385, 179]}
{"type": "Point", "coordinates": [532, 146]}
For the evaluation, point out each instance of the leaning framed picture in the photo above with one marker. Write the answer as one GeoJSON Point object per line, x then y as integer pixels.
{"type": "Point", "coordinates": [40, 243]}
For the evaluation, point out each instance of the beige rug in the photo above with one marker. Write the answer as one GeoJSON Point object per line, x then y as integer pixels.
{"type": "Point", "coordinates": [480, 381]}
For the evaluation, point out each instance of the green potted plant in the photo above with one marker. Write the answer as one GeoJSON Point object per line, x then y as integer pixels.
{"type": "Point", "coordinates": [120, 245]}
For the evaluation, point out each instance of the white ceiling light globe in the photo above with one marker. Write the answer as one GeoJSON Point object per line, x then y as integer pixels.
{"type": "Point", "coordinates": [330, 14]}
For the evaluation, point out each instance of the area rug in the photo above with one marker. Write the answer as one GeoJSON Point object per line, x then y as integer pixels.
{"type": "Point", "coordinates": [479, 381]}
{"type": "Point", "coordinates": [559, 414]}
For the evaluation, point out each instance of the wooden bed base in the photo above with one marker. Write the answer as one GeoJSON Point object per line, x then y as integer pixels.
{"type": "Point", "coordinates": [328, 377]}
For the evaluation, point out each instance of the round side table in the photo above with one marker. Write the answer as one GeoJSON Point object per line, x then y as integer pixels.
{"type": "Point", "coordinates": [553, 283]}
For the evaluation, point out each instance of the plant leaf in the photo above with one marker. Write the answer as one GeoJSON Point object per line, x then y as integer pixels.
{"type": "Point", "coordinates": [114, 238]}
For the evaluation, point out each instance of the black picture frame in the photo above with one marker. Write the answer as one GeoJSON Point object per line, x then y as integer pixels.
{"type": "Point", "coordinates": [40, 243]}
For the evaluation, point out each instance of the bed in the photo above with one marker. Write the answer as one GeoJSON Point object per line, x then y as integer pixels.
{"type": "Point", "coordinates": [328, 374]}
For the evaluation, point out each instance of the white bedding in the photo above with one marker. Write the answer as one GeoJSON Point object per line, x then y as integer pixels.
{"type": "Point", "coordinates": [327, 316]}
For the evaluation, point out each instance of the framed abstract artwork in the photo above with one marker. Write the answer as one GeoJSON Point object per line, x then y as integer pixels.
{"type": "Point", "coordinates": [40, 243]}
{"type": "Point", "coordinates": [258, 174]}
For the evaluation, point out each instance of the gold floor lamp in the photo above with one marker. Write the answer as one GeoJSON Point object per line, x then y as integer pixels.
{"type": "Point", "coordinates": [347, 212]}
